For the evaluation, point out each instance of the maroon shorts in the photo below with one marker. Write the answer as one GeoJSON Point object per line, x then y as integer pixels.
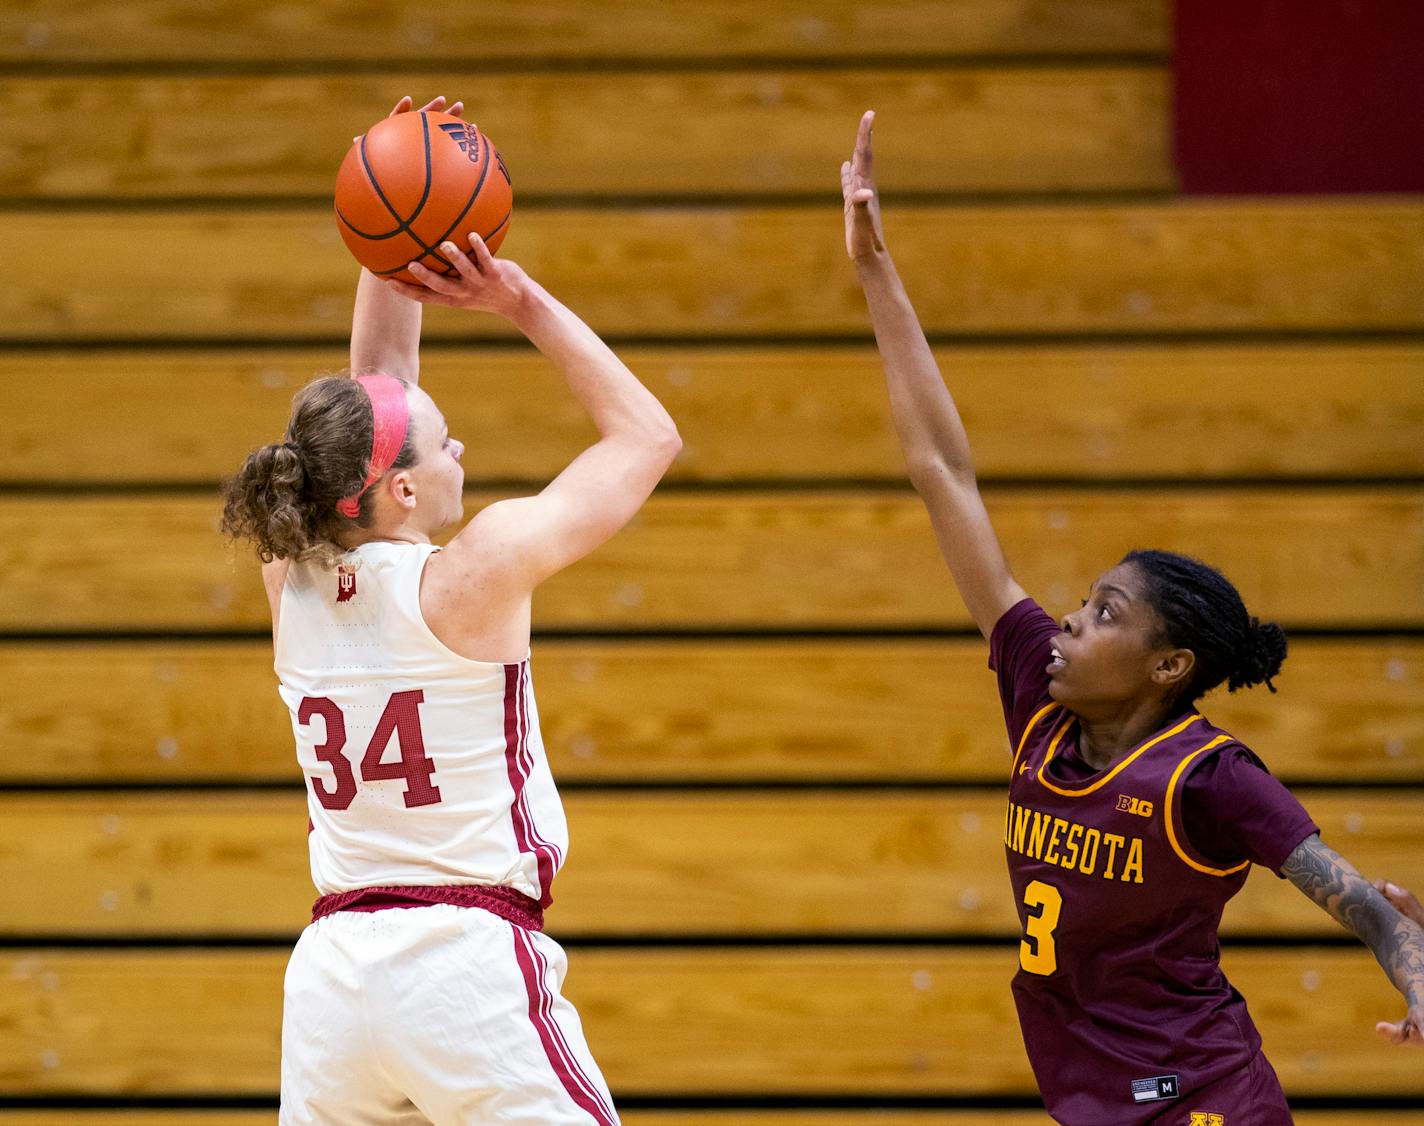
{"type": "Point", "coordinates": [1249, 1096]}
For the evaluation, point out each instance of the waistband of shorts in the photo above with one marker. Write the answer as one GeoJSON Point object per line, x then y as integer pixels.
{"type": "Point", "coordinates": [509, 904]}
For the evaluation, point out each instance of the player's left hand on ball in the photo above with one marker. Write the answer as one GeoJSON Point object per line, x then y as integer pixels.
{"type": "Point", "coordinates": [435, 105]}
{"type": "Point", "coordinates": [484, 283]}
{"type": "Point", "coordinates": [1410, 1030]}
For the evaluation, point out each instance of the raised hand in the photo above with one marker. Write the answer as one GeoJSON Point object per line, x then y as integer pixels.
{"type": "Point", "coordinates": [484, 283]}
{"type": "Point", "coordinates": [864, 235]}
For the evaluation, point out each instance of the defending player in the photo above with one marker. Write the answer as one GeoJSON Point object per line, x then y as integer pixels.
{"type": "Point", "coordinates": [424, 989]}
{"type": "Point", "coordinates": [1131, 819]}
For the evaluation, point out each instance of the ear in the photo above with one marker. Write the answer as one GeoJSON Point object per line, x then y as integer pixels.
{"type": "Point", "coordinates": [1174, 668]}
{"type": "Point", "coordinates": [402, 490]}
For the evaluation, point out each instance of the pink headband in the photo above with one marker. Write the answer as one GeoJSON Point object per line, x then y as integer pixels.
{"type": "Point", "coordinates": [390, 414]}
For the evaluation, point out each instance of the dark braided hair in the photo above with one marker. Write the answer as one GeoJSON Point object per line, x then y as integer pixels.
{"type": "Point", "coordinates": [1202, 611]}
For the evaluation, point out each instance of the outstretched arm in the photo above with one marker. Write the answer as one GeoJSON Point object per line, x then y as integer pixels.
{"type": "Point", "coordinates": [1397, 943]}
{"type": "Point", "coordinates": [385, 327]}
{"type": "Point", "coordinates": [931, 434]}
{"type": "Point", "coordinates": [531, 538]}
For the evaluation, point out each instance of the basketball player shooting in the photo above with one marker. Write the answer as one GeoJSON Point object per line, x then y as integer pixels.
{"type": "Point", "coordinates": [1131, 818]}
{"type": "Point", "coordinates": [424, 990]}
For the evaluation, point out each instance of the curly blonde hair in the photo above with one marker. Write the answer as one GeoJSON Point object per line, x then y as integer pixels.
{"type": "Point", "coordinates": [283, 499]}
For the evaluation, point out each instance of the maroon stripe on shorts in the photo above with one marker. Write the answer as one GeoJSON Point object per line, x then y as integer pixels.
{"type": "Point", "coordinates": [580, 1088]}
{"type": "Point", "coordinates": [548, 854]}
{"type": "Point", "coordinates": [515, 734]}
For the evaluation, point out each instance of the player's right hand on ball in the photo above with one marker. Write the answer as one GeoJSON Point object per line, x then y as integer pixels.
{"type": "Point", "coordinates": [484, 283]}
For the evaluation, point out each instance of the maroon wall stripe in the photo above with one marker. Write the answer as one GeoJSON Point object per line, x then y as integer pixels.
{"type": "Point", "coordinates": [1285, 96]}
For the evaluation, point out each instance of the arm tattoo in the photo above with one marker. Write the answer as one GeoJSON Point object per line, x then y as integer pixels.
{"type": "Point", "coordinates": [1332, 881]}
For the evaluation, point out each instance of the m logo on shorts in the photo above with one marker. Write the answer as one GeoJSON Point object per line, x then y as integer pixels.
{"type": "Point", "coordinates": [1207, 1118]}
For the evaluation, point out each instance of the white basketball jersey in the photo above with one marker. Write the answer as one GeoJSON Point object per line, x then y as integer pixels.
{"type": "Point", "coordinates": [422, 767]}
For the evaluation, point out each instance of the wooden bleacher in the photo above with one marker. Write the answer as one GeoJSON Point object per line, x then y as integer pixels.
{"type": "Point", "coordinates": [769, 672]}
{"type": "Point", "coordinates": [170, 713]}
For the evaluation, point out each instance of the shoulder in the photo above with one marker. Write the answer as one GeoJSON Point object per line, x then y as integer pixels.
{"type": "Point", "coordinates": [1213, 758]}
{"type": "Point", "coordinates": [1232, 806]}
{"type": "Point", "coordinates": [488, 543]}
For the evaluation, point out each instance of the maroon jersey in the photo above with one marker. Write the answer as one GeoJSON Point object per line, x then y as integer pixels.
{"type": "Point", "coordinates": [1121, 999]}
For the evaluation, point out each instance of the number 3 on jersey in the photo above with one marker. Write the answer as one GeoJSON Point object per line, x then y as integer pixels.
{"type": "Point", "coordinates": [1037, 953]}
{"type": "Point", "coordinates": [402, 719]}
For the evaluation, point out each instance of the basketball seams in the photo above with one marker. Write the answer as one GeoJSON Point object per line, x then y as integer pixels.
{"type": "Point", "coordinates": [474, 195]}
{"type": "Point", "coordinates": [404, 226]}
{"type": "Point", "coordinates": [428, 251]}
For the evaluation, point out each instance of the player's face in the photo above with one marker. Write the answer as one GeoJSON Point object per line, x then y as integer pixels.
{"type": "Point", "coordinates": [1105, 656]}
{"type": "Point", "coordinates": [437, 475]}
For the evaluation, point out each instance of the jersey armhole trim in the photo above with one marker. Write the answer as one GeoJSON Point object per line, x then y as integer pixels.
{"type": "Point", "coordinates": [1169, 814]}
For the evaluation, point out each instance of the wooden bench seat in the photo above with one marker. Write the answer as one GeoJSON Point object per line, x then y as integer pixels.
{"type": "Point", "coordinates": [508, 32]}
{"type": "Point", "coordinates": [642, 863]}
{"type": "Point", "coordinates": [1213, 266]}
{"type": "Point", "coordinates": [766, 1117]}
{"type": "Point", "coordinates": [732, 710]}
{"type": "Point", "coordinates": [599, 133]}
{"type": "Point", "coordinates": [842, 558]}
{"type": "Point", "coordinates": [853, 1021]}
{"type": "Point", "coordinates": [787, 413]}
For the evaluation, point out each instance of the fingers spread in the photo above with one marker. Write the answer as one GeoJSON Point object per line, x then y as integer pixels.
{"type": "Point", "coordinates": [401, 106]}
{"type": "Point", "coordinates": [431, 280]}
{"type": "Point", "coordinates": [484, 260]}
{"type": "Point", "coordinates": [459, 259]}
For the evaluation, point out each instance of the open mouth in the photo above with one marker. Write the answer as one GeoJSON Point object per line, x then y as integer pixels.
{"type": "Point", "coordinates": [1056, 661]}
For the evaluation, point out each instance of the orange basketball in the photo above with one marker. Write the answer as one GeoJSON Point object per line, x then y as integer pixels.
{"type": "Point", "coordinates": [413, 181]}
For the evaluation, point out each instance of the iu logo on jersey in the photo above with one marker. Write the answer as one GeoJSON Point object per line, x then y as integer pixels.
{"type": "Point", "coordinates": [1207, 1118]}
{"type": "Point", "coordinates": [345, 584]}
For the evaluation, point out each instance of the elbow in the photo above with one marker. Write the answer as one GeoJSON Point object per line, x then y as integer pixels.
{"type": "Point", "coordinates": [667, 444]}
{"type": "Point", "coordinates": [933, 472]}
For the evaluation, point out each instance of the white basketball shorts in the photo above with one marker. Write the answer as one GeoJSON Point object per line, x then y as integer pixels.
{"type": "Point", "coordinates": [441, 1014]}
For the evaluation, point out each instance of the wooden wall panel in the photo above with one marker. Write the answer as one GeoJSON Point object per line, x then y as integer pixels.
{"type": "Point", "coordinates": [512, 32]}
{"type": "Point", "coordinates": [767, 1117]}
{"type": "Point", "coordinates": [788, 413]}
{"type": "Point", "coordinates": [643, 864]}
{"type": "Point", "coordinates": [721, 133]}
{"type": "Point", "coordinates": [786, 1021]}
{"type": "Point", "coordinates": [1218, 265]}
{"type": "Point", "coordinates": [841, 710]}
{"type": "Point", "coordinates": [1344, 557]}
